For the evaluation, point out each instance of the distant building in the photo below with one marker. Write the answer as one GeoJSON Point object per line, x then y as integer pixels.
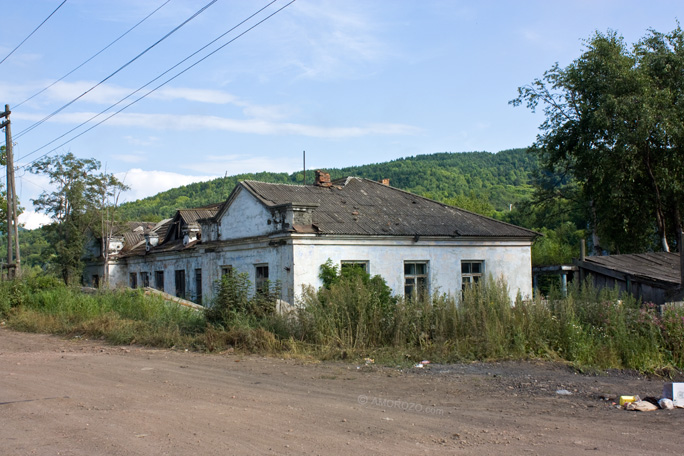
{"type": "Point", "coordinates": [651, 277]}
{"type": "Point", "coordinates": [284, 233]}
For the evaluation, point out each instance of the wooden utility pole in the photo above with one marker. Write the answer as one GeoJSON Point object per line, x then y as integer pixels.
{"type": "Point", "coordinates": [13, 256]}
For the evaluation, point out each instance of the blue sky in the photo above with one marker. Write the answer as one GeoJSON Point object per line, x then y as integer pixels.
{"type": "Point", "coordinates": [350, 81]}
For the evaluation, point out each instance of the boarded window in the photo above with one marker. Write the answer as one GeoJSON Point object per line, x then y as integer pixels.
{"type": "Point", "coordinates": [471, 272]}
{"type": "Point", "coordinates": [415, 278]}
{"type": "Point", "coordinates": [261, 281]}
{"type": "Point", "coordinates": [145, 279]}
{"type": "Point", "coordinates": [133, 280]}
{"type": "Point", "coordinates": [180, 283]}
{"type": "Point", "coordinates": [159, 280]}
{"type": "Point", "coordinates": [198, 286]}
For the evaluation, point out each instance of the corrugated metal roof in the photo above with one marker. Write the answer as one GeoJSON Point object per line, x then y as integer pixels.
{"type": "Point", "coordinates": [197, 213]}
{"type": "Point", "coordinates": [656, 266]}
{"type": "Point", "coordinates": [356, 206]}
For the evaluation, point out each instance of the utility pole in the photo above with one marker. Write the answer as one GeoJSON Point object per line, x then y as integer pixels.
{"type": "Point", "coordinates": [13, 257]}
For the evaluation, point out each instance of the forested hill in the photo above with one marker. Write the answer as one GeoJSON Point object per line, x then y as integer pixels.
{"type": "Point", "coordinates": [481, 179]}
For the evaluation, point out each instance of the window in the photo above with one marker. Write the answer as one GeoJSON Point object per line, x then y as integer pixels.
{"type": "Point", "coordinates": [198, 286]}
{"type": "Point", "coordinates": [180, 283]}
{"type": "Point", "coordinates": [226, 270]}
{"type": "Point", "coordinates": [133, 280]}
{"type": "Point", "coordinates": [145, 279]}
{"type": "Point", "coordinates": [96, 281]}
{"type": "Point", "coordinates": [415, 278]}
{"type": "Point", "coordinates": [159, 280]}
{"type": "Point", "coordinates": [261, 281]}
{"type": "Point", "coordinates": [471, 272]}
{"type": "Point", "coordinates": [363, 265]}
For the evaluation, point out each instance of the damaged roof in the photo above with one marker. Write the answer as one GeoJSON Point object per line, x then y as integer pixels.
{"type": "Point", "coordinates": [356, 206]}
{"type": "Point", "coordinates": [654, 266]}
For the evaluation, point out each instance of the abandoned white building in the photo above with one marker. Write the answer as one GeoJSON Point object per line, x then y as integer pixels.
{"type": "Point", "coordinates": [283, 233]}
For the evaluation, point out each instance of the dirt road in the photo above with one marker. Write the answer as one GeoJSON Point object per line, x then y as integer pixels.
{"type": "Point", "coordinates": [75, 397]}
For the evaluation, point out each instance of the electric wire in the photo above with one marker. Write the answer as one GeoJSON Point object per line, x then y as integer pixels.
{"type": "Point", "coordinates": [91, 58]}
{"type": "Point", "coordinates": [158, 86]}
{"type": "Point", "coordinates": [40, 122]}
{"type": "Point", "coordinates": [34, 31]}
{"type": "Point", "coordinates": [156, 79]}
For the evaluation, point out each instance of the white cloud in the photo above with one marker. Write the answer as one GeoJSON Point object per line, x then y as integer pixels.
{"type": "Point", "coordinates": [238, 164]}
{"type": "Point", "coordinates": [32, 220]}
{"type": "Point", "coordinates": [148, 183]}
{"type": "Point", "coordinates": [251, 126]}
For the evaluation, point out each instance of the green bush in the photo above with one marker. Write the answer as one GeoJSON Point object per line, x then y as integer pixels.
{"type": "Point", "coordinates": [235, 303]}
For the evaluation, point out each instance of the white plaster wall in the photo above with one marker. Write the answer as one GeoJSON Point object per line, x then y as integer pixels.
{"type": "Point", "coordinates": [245, 217]}
{"type": "Point", "coordinates": [245, 256]}
{"type": "Point", "coordinates": [241, 256]}
{"type": "Point", "coordinates": [386, 258]}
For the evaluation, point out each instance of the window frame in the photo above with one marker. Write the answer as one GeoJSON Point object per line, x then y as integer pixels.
{"type": "Point", "coordinates": [261, 284]}
{"type": "Point", "coordinates": [355, 263]}
{"type": "Point", "coordinates": [468, 278]}
{"type": "Point", "coordinates": [180, 285]}
{"type": "Point", "coordinates": [159, 280]}
{"type": "Point", "coordinates": [226, 269]}
{"type": "Point", "coordinates": [416, 288]}
{"type": "Point", "coordinates": [145, 279]}
{"type": "Point", "coordinates": [198, 285]}
{"type": "Point", "coordinates": [133, 280]}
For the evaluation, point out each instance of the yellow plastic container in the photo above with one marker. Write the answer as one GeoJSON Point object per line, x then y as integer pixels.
{"type": "Point", "coordinates": [626, 399]}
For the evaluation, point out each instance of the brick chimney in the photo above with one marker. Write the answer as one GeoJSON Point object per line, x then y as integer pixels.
{"type": "Point", "coordinates": [384, 182]}
{"type": "Point", "coordinates": [322, 179]}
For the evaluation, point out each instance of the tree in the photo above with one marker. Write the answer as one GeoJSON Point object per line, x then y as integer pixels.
{"type": "Point", "coordinates": [612, 135]}
{"type": "Point", "coordinates": [75, 205]}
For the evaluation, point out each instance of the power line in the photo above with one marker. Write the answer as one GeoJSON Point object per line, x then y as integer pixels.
{"type": "Point", "coordinates": [34, 31]}
{"type": "Point", "coordinates": [155, 88]}
{"type": "Point", "coordinates": [200, 11]}
{"type": "Point", "coordinates": [95, 55]}
{"type": "Point", "coordinates": [150, 82]}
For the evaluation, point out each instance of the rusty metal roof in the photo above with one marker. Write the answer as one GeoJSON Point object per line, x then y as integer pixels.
{"type": "Point", "coordinates": [654, 266]}
{"type": "Point", "coordinates": [355, 206]}
{"type": "Point", "coordinates": [194, 214]}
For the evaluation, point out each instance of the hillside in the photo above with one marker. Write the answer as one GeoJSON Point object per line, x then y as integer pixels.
{"type": "Point", "coordinates": [493, 180]}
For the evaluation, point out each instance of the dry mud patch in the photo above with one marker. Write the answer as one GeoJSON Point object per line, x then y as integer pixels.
{"type": "Point", "coordinates": [75, 397]}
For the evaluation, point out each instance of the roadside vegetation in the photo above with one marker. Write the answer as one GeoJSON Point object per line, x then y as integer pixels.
{"type": "Point", "coordinates": [354, 316]}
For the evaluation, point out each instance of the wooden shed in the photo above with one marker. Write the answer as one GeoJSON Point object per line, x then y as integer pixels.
{"type": "Point", "coordinates": [652, 277]}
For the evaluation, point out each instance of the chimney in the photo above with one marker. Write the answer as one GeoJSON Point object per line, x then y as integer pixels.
{"type": "Point", "coordinates": [322, 179]}
{"type": "Point", "coordinates": [384, 182]}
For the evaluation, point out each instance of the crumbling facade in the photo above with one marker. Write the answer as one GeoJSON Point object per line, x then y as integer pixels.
{"type": "Point", "coordinates": [283, 233]}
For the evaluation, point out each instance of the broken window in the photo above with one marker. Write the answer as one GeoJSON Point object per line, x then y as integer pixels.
{"type": "Point", "coordinates": [261, 281]}
{"type": "Point", "coordinates": [180, 283]}
{"type": "Point", "coordinates": [96, 281]}
{"type": "Point", "coordinates": [198, 286]}
{"type": "Point", "coordinates": [351, 264]}
{"type": "Point", "coordinates": [145, 279]}
{"type": "Point", "coordinates": [133, 280]}
{"type": "Point", "coordinates": [159, 280]}
{"type": "Point", "coordinates": [226, 270]}
{"type": "Point", "coordinates": [471, 272]}
{"type": "Point", "coordinates": [415, 278]}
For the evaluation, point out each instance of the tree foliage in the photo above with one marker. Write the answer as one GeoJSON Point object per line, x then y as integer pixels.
{"type": "Point", "coordinates": [612, 141]}
{"type": "Point", "coordinates": [76, 204]}
{"type": "Point", "coordinates": [482, 182]}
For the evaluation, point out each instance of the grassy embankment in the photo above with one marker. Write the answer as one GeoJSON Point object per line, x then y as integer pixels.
{"type": "Point", "coordinates": [356, 317]}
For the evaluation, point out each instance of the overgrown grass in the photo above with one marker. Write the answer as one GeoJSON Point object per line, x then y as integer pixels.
{"type": "Point", "coordinates": [355, 316]}
{"type": "Point", "coordinates": [121, 317]}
